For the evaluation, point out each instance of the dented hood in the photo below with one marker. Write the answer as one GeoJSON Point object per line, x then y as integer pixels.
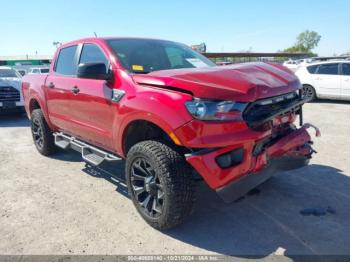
{"type": "Point", "coordinates": [241, 82]}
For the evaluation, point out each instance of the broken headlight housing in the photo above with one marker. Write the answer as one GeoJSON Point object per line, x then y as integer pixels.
{"type": "Point", "coordinates": [212, 110]}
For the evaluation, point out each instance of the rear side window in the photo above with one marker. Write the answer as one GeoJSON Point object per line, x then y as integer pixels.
{"type": "Point", "coordinates": [328, 69]}
{"type": "Point", "coordinates": [312, 69]}
{"type": "Point", "coordinates": [346, 69]}
{"type": "Point", "coordinates": [65, 64]}
{"type": "Point", "coordinates": [91, 53]}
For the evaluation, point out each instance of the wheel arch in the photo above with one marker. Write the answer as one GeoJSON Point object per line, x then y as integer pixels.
{"type": "Point", "coordinates": [33, 104]}
{"type": "Point", "coordinates": [312, 86]}
{"type": "Point", "coordinates": [138, 130]}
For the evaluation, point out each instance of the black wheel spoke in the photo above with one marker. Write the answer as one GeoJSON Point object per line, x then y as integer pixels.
{"type": "Point", "coordinates": [140, 168]}
{"type": "Point", "coordinates": [137, 177]}
{"type": "Point", "coordinates": [37, 133]}
{"type": "Point", "coordinates": [156, 206]}
{"type": "Point", "coordinates": [146, 187]}
{"type": "Point", "coordinates": [138, 190]}
{"type": "Point", "coordinates": [145, 202]}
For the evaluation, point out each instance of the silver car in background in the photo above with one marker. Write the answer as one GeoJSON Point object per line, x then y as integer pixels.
{"type": "Point", "coordinates": [11, 98]}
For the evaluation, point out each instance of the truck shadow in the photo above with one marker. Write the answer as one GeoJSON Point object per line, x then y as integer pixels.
{"type": "Point", "coordinates": [14, 120]}
{"type": "Point", "coordinates": [112, 172]}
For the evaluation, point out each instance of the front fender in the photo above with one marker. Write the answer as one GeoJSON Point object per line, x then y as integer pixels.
{"type": "Point", "coordinates": [166, 109]}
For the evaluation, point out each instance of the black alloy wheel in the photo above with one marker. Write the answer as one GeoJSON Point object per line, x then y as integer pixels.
{"type": "Point", "coordinates": [146, 187]}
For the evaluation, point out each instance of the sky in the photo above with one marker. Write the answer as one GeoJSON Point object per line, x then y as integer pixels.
{"type": "Point", "coordinates": [29, 27]}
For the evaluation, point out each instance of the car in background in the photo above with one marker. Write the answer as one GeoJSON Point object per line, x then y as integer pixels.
{"type": "Point", "coordinates": [291, 64]}
{"type": "Point", "coordinates": [328, 79]}
{"type": "Point", "coordinates": [295, 64]}
{"type": "Point", "coordinates": [223, 63]}
{"type": "Point", "coordinates": [11, 98]}
{"type": "Point", "coordinates": [39, 71]}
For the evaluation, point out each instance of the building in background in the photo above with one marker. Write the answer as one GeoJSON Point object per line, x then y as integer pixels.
{"type": "Point", "coordinates": [24, 62]}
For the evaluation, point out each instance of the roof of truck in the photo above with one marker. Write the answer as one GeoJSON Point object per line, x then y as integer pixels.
{"type": "Point", "coordinates": [97, 39]}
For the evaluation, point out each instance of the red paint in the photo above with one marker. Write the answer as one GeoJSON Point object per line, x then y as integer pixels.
{"type": "Point", "coordinates": [93, 117]}
{"type": "Point", "coordinates": [217, 177]}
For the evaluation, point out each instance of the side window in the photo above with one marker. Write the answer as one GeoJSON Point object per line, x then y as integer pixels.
{"type": "Point", "coordinates": [65, 64]}
{"type": "Point", "coordinates": [91, 53]}
{"type": "Point", "coordinates": [328, 69]}
{"type": "Point", "coordinates": [346, 69]}
{"type": "Point", "coordinates": [312, 69]}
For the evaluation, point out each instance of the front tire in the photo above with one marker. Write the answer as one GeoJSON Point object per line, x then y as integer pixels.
{"type": "Point", "coordinates": [42, 135]}
{"type": "Point", "coordinates": [308, 92]}
{"type": "Point", "coordinates": [160, 184]}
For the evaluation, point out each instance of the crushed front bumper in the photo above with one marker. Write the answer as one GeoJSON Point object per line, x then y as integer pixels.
{"type": "Point", "coordinates": [243, 185]}
{"type": "Point", "coordinates": [289, 152]}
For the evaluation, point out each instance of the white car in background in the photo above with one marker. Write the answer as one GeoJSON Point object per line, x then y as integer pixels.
{"type": "Point", "coordinates": [295, 64]}
{"type": "Point", "coordinates": [40, 71]}
{"type": "Point", "coordinates": [329, 79]}
{"type": "Point", "coordinates": [291, 64]}
{"type": "Point", "coordinates": [11, 98]}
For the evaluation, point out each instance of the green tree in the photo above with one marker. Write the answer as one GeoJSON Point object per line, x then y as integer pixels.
{"type": "Point", "coordinates": [306, 42]}
{"type": "Point", "coordinates": [308, 39]}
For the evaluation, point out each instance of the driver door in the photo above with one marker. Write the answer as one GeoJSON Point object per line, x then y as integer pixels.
{"type": "Point", "coordinates": [91, 108]}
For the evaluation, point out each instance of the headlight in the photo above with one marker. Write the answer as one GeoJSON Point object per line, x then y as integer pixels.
{"type": "Point", "coordinates": [215, 110]}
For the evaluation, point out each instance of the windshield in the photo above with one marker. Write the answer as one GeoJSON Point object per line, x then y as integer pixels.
{"type": "Point", "coordinates": [44, 70]}
{"type": "Point", "coordinates": [8, 73]}
{"type": "Point", "coordinates": [143, 55]}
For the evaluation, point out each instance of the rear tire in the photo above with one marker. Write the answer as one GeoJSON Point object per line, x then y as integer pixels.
{"type": "Point", "coordinates": [160, 184]}
{"type": "Point", "coordinates": [42, 135]}
{"type": "Point", "coordinates": [309, 92]}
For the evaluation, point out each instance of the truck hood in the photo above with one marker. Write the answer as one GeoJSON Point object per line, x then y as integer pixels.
{"type": "Point", "coordinates": [240, 82]}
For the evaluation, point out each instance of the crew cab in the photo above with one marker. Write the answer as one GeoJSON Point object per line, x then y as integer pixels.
{"type": "Point", "coordinates": [11, 99]}
{"type": "Point", "coordinates": [173, 115]}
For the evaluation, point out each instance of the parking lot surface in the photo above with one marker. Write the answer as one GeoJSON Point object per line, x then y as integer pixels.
{"type": "Point", "coordinates": [59, 205]}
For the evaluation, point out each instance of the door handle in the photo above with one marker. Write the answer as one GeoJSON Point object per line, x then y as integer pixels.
{"type": "Point", "coordinates": [75, 90]}
{"type": "Point", "coordinates": [51, 85]}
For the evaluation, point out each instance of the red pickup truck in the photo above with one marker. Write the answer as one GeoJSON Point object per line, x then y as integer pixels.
{"type": "Point", "coordinates": [173, 115]}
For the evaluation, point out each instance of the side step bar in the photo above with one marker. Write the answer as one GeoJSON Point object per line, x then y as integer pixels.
{"type": "Point", "coordinates": [89, 153]}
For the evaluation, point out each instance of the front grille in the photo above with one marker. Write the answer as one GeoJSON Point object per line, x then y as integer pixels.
{"type": "Point", "coordinates": [264, 110]}
{"type": "Point", "coordinates": [9, 93]}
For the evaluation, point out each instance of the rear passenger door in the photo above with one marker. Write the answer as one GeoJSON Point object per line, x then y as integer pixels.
{"type": "Point", "coordinates": [345, 81]}
{"type": "Point", "coordinates": [91, 108]}
{"type": "Point", "coordinates": [327, 80]}
{"type": "Point", "coordinates": [58, 87]}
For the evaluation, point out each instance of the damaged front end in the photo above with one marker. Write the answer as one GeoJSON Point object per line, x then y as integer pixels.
{"type": "Point", "coordinates": [236, 169]}
{"type": "Point", "coordinates": [290, 152]}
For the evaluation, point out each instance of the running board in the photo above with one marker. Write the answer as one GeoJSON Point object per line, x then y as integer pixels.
{"type": "Point", "coordinates": [89, 153]}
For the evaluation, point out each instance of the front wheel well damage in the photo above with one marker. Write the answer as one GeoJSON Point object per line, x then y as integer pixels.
{"type": "Point", "coordinates": [141, 130]}
{"type": "Point", "coordinates": [33, 104]}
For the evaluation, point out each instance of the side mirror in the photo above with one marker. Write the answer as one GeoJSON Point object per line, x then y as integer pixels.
{"type": "Point", "coordinates": [94, 71]}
